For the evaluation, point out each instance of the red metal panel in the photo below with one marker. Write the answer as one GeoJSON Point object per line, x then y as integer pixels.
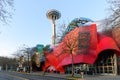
{"type": "Point", "coordinates": [106, 43]}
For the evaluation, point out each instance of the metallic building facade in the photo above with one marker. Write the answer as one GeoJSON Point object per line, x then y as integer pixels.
{"type": "Point", "coordinates": [99, 53]}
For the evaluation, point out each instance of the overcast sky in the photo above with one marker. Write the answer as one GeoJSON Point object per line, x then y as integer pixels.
{"type": "Point", "coordinates": [30, 25]}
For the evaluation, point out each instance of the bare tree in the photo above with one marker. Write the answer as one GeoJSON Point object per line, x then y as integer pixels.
{"type": "Point", "coordinates": [70, 45]}
{"type": "Point", "coordinates": [112, 23]}
{"type": "Point", "coordinates": [60, 32]}
{"type": "Point", "coordinates": [116, 35]}
{"type": "Point", "coordinates": [26, 53]}
{"type": "Point", "coordinates": [107, 32]}
{"type": "Point", "coordinates": [5, 10]}
{"type": "Point", "coordinates": [113, 19]}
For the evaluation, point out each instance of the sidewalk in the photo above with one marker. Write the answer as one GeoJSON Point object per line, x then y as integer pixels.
{"type": "Point", "coordinates": [86, 77]}
{"type": "Point", "coordinates": [51, 74]}
{"type": "Point", "coordinates": [57, 75]}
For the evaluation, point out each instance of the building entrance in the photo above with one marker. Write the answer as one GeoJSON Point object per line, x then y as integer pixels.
{"type": "Point", "coordinates": [106, 63]}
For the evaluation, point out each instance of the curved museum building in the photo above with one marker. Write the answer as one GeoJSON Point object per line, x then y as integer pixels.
{"type": "Point", "coordinates": [87, 49]}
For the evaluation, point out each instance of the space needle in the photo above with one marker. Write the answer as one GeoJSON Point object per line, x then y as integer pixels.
{"type": "Point", "coordinates": [53, 15]}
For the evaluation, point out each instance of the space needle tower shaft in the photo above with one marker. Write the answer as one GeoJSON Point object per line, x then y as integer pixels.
{"type": "Point", "coordinates": [53, 15]}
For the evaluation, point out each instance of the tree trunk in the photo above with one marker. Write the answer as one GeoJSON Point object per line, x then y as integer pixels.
{"type": "Point", "coordinates": [72, 65]}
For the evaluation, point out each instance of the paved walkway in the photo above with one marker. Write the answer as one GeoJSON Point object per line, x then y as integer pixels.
{"type": "Point", "coordinates": [86, 77]}
{"type": "Point", "coordinates": [50, 74]}
{"type": "Point", "coordinates": [102, 77]}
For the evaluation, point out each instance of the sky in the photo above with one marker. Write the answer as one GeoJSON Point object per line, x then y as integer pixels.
{"type": "Point", "coordinates": [30, 26]}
